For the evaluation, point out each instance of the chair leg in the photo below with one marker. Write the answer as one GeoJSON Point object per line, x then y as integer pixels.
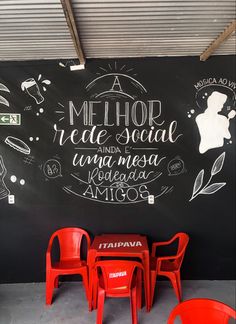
{"type": "Point", "coordinates": [139, 288]}
{"type": "Point", "coordinates": [133, 302]}
{"type": "Point", "coordinates": [56, 282]}
{"type": "Point", "coordinates": [95, 293]}
{"type": "Point", "coordinates": [178, 279]}
{"type": "Point", "coordinates": [50, 279]}
{"type": "Point", "coordinates": [175, 286]}
{"type": "Point", "coordinates": [101, 298]}
{"type": "Point", "coordinates": [153, 285]}
{"type": "Point", "coordinates": [85, 283]}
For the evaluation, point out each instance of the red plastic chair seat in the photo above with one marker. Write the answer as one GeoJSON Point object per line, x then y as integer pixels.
{"type": "Point", "coordinates": [69, 262]}
{"type": "Point", "coordinates": [169, 266]}
{"type": "Point", "coordinates": [123, 289]}
{"type": "Point", "coordinates": [118, 279]}
{"type": "Point", "coordinates": [202, 311]}
{"type": "Point", "coordinates": [166, 265]}
{"type": "Point", "coordinates": [114, 292]}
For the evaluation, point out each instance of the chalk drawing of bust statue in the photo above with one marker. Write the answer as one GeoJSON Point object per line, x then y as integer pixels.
{"type": "Point", "coordinates": [212, 126]}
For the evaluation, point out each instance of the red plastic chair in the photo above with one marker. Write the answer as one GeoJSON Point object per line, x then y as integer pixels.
{"type": "Point", "coordinates": [202, 311]}
{"type": "Point", "coordinates": [118, 278]}
{"type": "Point", "coordinates": [70, 262]}
{"type": "Point", "coordinates": [169, 266]}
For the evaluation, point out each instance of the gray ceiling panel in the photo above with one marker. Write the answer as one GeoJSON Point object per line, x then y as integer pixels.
{"type": "Point", "coordinates": [37, 29]}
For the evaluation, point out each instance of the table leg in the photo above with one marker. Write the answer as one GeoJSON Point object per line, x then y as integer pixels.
{"type": "Point", "coordinates": [146, 264]}
{"type": "Point", "coordinates": [91, 263]}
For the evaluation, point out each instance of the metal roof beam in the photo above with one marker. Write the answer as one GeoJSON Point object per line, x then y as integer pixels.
{"type": "Point", "coordinates": [218, 41]}
{"type": "Point", "coordinates": [68, 12]}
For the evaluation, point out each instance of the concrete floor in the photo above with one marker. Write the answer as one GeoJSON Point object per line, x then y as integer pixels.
{"type": "Point", "coordinates": [24, 303]}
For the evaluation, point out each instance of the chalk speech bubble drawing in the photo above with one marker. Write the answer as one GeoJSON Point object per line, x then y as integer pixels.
{"type": "Point", "coordinates": [52, 169]}
{"type": "Point", "coordinates": [175, 166]}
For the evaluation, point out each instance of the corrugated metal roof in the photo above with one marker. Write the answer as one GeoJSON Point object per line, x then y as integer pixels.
{"type": "Point", "coordinates": [34, 29]}
{"type": "Point", "coordinates": [37, 29]}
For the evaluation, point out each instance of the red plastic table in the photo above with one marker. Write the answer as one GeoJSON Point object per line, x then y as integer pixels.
{"type": "Point", "coordinates": [120, 245]}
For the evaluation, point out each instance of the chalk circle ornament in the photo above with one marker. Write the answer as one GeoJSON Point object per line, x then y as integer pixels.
{"type": "Point", "coordinates": [175, 166]}
{"type": "Point", "coordinates": [52, 169]}
{"type": "Point", "coordinates": [17, 144]}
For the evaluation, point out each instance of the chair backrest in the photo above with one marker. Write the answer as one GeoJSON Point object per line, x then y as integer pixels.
{"type": "Point", "coordinates": [117, 274]}
{"type": "Point", "coordinates": [70, 239]}
{"type": "Point", "coordinates": [183, 240]}
{"type": "Point", "coordinates": [202, 311]}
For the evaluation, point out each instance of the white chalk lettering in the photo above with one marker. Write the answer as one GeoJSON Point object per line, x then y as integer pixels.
{"type": "Point", "coordinates": [92, 136]}
{"type": "Point", "coordinates": [98, 113]}
{"type": "Point", "coordinates": [97, 177]}
{"type": "Point", "coordinates": [149, 136]}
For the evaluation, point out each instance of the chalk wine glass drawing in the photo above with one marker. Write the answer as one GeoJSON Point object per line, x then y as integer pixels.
{"type": "Point", "coordinates": [4, 192]}
{"type": "Point", "coordinates": [32, 88]}
{"type": "Point", "coordinates": [3, 100]}
{"type": "Point", "coordinates": [209, 189]}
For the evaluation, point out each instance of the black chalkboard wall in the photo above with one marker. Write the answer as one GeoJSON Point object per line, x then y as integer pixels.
{"type": "Point", "coordinates": [93, 148]}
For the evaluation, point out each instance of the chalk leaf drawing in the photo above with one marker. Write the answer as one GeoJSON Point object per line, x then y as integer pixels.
{"type": "Point", "coordinates": [198, 181]}
{"type": "Point", "coordinates": [218, 164]}
{"type": "Point", "coordinates": [212, 188]}
{"type": "Point", "coordinates": [2, 99]}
